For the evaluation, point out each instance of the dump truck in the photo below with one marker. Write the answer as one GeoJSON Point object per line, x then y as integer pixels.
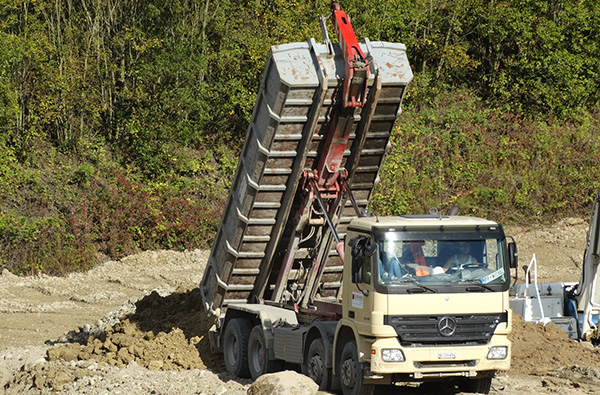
{"type": "Point", "coordinates": [574, 306]}
{"type": "Point", "coordinates": [301, 275]}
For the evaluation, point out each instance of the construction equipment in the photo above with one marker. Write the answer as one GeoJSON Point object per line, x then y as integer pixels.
{"type": "Point", "coordinates": [573, 306]}
{"type": "Point", "coordinates": [299, 273]}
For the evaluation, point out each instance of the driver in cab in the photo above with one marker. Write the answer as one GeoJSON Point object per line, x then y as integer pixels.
{"type": "Point", "coordinates": [461, 258]}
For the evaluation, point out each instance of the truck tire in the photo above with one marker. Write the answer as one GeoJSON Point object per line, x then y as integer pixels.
{"type": "Point", "coordinates": [351, 372]}
{"type": "Point", "coordinates": [235, 350]}
{"type": "Point", "coordinates": [476, 386]}
{"type": "Point", "coordinates": [258, 354]}
{"type": "Point", "coordinates": [315, 366]}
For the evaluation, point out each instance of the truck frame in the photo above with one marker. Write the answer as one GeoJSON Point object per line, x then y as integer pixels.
{"type": "Point", "coordinates": [278, 283]}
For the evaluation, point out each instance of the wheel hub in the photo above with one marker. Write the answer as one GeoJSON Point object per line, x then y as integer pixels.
{"type": "Point", "coordinates": [315, 368]}
{"type": "Point", "coordinates": [348, 373]}
{"type": "Point", "coordinates": [235, 349]}
{"type": "Point", "coordinates": [260, 355]}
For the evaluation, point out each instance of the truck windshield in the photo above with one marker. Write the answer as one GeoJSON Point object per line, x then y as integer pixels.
{"type": "Point", "coordinates": [474, 262]}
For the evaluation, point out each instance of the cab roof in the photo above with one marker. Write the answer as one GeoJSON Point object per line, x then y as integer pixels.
{"type": "Point", "coordinates": [408, 222]}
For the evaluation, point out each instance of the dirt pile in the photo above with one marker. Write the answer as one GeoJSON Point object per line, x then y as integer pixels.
{"type": "Point", "coordinates": [91, 377]}
{"type": "Point", "coordinates": [47, 376]}
{"type": "Point", "coordinates": [539, 350]}
{"type": "Point", "coordinates": [35, 309]}
{"type": "Point", "coordinates": [164, 333]}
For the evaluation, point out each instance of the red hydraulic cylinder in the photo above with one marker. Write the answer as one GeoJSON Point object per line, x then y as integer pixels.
{"type": "Point", "coordinates": [357, 65]}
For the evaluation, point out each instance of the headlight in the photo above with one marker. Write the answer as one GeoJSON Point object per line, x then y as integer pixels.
{"type": "Point", "coordinates": [499, 352]}
{"type": "Point", "coordinates": [392, 355]}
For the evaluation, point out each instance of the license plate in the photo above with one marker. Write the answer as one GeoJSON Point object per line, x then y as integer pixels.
{"type": "Point", "coordinates": [446, 355]}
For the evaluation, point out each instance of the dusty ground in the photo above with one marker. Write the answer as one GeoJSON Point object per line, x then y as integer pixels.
{"type": "Point", "coordinates": [136, 326]}
{"type": "Point", "coordinates": [558, 249]}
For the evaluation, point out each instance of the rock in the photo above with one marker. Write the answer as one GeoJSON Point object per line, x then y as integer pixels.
{"type": "Point", "coordinates": [155, 364]}
{"type": "Point", "coordinates": [123, 340]}
{"type": "Point", "coordinates": [60, 380]}
{"type": "Point", "coordinates": [108, 345]}
{"type": "Point", "coordinates": [67, 352]}
{"type": "Point", "coordinates": [284, 383]}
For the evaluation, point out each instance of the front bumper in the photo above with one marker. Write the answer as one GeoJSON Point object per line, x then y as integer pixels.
{"type": "Point", "coordinates": [444, 361]}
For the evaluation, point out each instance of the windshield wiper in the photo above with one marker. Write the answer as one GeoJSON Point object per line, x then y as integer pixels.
{"type": "Point", "coordinates": [422, 288]}
{"type": "Point", "coordinates": [480, 286]}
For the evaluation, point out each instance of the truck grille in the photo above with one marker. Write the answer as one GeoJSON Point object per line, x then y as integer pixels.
{"type": "Point", "coordinates": [429, 330]}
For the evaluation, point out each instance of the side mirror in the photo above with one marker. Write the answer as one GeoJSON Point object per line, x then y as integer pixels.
{"type": "Point", "coordinates": [362, 247]}
{"type": "Point", "coordinates": [513, 255]}
{"type": "Point", "coordinates": [370, 248]}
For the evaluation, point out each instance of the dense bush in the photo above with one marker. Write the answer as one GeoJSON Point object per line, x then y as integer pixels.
{"type": "Point", "coordinates": [57, 217]}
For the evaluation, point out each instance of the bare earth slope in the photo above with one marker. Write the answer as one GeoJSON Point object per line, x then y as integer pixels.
{"type": "Point", "coordinates": [137, 326]}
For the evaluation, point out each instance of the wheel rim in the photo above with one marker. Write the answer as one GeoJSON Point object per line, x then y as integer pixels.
{"type": "Point", "coordinates": [258, 355]}
{"type": "Point", "coordinates": [232, 349]}
{"type": "Point", "coordinates": [261, 357]}
{"type": "Point", "coordinates": [348, 370]}
{"type": "Point", "coordinates": [315, 368]}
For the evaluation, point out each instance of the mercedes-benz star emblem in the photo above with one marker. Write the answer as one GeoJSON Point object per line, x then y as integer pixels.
{"type": "Point", "coordinates": [446, 326]}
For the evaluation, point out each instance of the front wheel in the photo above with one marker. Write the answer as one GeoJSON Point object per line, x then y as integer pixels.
{"type": "Point", "coordinates": [476, 386]}
{"type": "Point", "coordinates": [351, 372]}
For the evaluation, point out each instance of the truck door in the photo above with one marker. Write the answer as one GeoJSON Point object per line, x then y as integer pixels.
{"type": "Point", "coordinates": [359, 292]}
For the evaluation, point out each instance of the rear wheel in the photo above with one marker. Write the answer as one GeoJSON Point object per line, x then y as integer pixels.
{"type": "Point", "coordinates": [351, 373]}
{"type": "Point", "coordinates": [315, 367]}
{"type": "Point", "coordinates": [476, 386]}
{"type": "Point", "coordinates": [235, 346]}
{"type": "Point", "coordinates": [258, 355]}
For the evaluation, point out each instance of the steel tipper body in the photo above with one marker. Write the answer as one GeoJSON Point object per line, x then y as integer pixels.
{"type": "Point", "coordinates": [311, 136]}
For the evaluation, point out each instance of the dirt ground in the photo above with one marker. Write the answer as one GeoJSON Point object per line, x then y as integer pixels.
{"type": "Point", "coordinates": [137, 326]}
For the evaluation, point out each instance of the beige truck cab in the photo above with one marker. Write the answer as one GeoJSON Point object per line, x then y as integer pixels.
{"type": "Point", "coordinates": [426, 297]}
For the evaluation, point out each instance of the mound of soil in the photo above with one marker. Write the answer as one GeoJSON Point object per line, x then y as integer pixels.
{"type": "Point", "coordinates": [539, 349]}
{"type": "Point", "coordinates": [165, 333]}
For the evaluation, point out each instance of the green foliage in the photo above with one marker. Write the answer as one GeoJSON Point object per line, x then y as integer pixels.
{"type": "Point", "coordinates": [66, 214]}
{"type": "Point", "coordinates": [121, 122]}
{"type": "Point", "coordinates": [489, 163]}
{"type": "Point", "coordinates": [534, 56]}
{"type": "Point", "coordinates": [543, 54]}
{"type": "Point", "coordinates": [121, 216]}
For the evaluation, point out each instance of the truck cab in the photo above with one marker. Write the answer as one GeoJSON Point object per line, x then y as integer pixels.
{"type": "Point", "coordinates": [426, 298]}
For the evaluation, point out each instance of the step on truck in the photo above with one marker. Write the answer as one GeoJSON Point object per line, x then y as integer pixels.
{"type": "Point", "coordinates": [300, 275]}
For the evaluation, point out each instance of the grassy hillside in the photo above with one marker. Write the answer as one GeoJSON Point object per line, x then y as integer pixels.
{"type": "Point", "coordinates": [491, 163]}
{"type": "Point", "coordinates": [121, 123]}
